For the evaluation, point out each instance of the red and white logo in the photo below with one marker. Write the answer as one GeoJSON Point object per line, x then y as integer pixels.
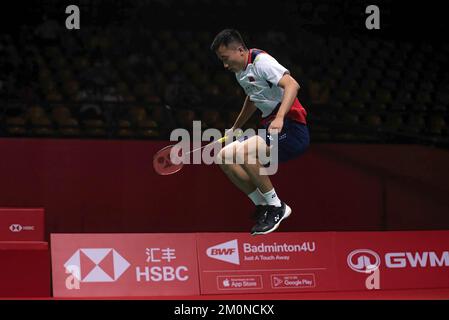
{"type": "Point", "coordinates": [96, 265]}
{"type": "Point", "coordinates": [15, 227]}
{"type": "Point", "coordinates": [227, 252]}
{"type": "Point", "coordinates": [363, 260]}
{"type": "Point", "coordinates": [276, 282]}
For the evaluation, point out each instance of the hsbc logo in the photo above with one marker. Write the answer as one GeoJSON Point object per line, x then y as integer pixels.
{"type": "Point", "coordinates": [227, 252]}
{"type": "Point", "coordinates": [15, 227]}
{"type": "Point", "coordinates": [364, 260]}
{"type": "Point", "coordinates": [96, 265]}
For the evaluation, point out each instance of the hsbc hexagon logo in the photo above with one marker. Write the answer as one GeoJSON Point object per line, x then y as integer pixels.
{"type": "Point", "coordinates": [15, 227]}
{"type": "Point", "coordinates": [96, 265]}
{"type": "Point", "coordinates": [363, 260]}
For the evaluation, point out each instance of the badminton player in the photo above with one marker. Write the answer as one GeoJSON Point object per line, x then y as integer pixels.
{"type": "Point", "coordinates": [270, 88]}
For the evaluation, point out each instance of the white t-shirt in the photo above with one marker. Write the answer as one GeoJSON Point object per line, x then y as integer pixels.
{"type": "Point", "coordinates": [260, 80]}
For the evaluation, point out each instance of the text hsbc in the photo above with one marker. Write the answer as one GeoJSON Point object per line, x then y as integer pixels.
{"type": "Point", "coordinates": [166, 273]}
{"type": "Point", "coordinates": [404, 259]}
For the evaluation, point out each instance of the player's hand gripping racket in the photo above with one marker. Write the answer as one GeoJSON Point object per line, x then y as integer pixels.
{"type": "Point", "coordinates": [162, 161]}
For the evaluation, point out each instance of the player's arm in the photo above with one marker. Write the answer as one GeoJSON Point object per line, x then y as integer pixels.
{"type": "Point", "coordinates": [247, 111]}
{"type": "Point", "coordinates": [291, 88]}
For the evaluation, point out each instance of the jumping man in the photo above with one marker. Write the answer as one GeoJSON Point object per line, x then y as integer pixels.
{"type": "Point", "coordinates": [271, 89]}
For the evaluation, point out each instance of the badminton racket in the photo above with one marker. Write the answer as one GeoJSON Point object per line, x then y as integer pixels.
{"type": "Point", "coordinates": [162, 161]}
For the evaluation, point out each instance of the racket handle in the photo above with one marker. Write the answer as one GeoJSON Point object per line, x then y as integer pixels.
{"type": "Point", "coordinates": [239, 133]}
{"type": "Point", "coordinates": [216, 141]}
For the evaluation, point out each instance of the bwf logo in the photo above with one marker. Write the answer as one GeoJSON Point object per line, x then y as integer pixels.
{"type": "Point", "coordinates": [227, 252]}
{"type": "Point", "coordinates": [96, 265]}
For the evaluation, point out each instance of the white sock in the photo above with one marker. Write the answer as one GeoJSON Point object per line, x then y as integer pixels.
{"type": "Point", "coordinates": [272, 198]}
{"type": "Point", "coordinates": [257, 198]}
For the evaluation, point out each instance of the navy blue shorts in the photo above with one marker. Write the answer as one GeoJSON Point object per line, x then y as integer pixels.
{"type": "Point", "coordinates": [293, 140]}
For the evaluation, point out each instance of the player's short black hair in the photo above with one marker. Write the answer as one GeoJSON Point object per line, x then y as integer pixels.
{"type": "Point", "coordinates": [226, 37]}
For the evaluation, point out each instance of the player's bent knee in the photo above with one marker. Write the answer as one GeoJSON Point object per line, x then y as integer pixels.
{"type": "Point", "coordinates": [249, 151]}
{"type": "Point", "coordinates": [241, 153]}
{"type": "Point", "coordinates": [226, 155]}
{"type": "Point", "coordinates": [260, 142]}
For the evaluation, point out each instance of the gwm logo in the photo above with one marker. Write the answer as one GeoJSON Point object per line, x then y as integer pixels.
{"type": "Point", "coordinates": [96, 265]}
{"type": "Point", "coordinates": [363, 260]}
{"type": "Point", "coordinates": [227, 252]}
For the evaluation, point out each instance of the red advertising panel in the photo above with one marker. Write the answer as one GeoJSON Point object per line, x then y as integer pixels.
{"type": "Point", "coordinates": [118, 265]}
{"type": "Point", "coordinates": [392, 260]}
{"type": "Point", "coordinates": [22, 224]}
{"type": "Point", "coordinates": [278, 262]}
{"type": "Point", "coordinates": [24, 269]}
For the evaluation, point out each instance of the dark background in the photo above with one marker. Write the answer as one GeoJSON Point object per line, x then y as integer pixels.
{"type": "Point", "coordinates": [358, 85]}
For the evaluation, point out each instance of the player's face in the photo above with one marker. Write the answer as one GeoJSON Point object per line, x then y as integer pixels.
{"type": "Point", "coordinates": [232, 56]}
